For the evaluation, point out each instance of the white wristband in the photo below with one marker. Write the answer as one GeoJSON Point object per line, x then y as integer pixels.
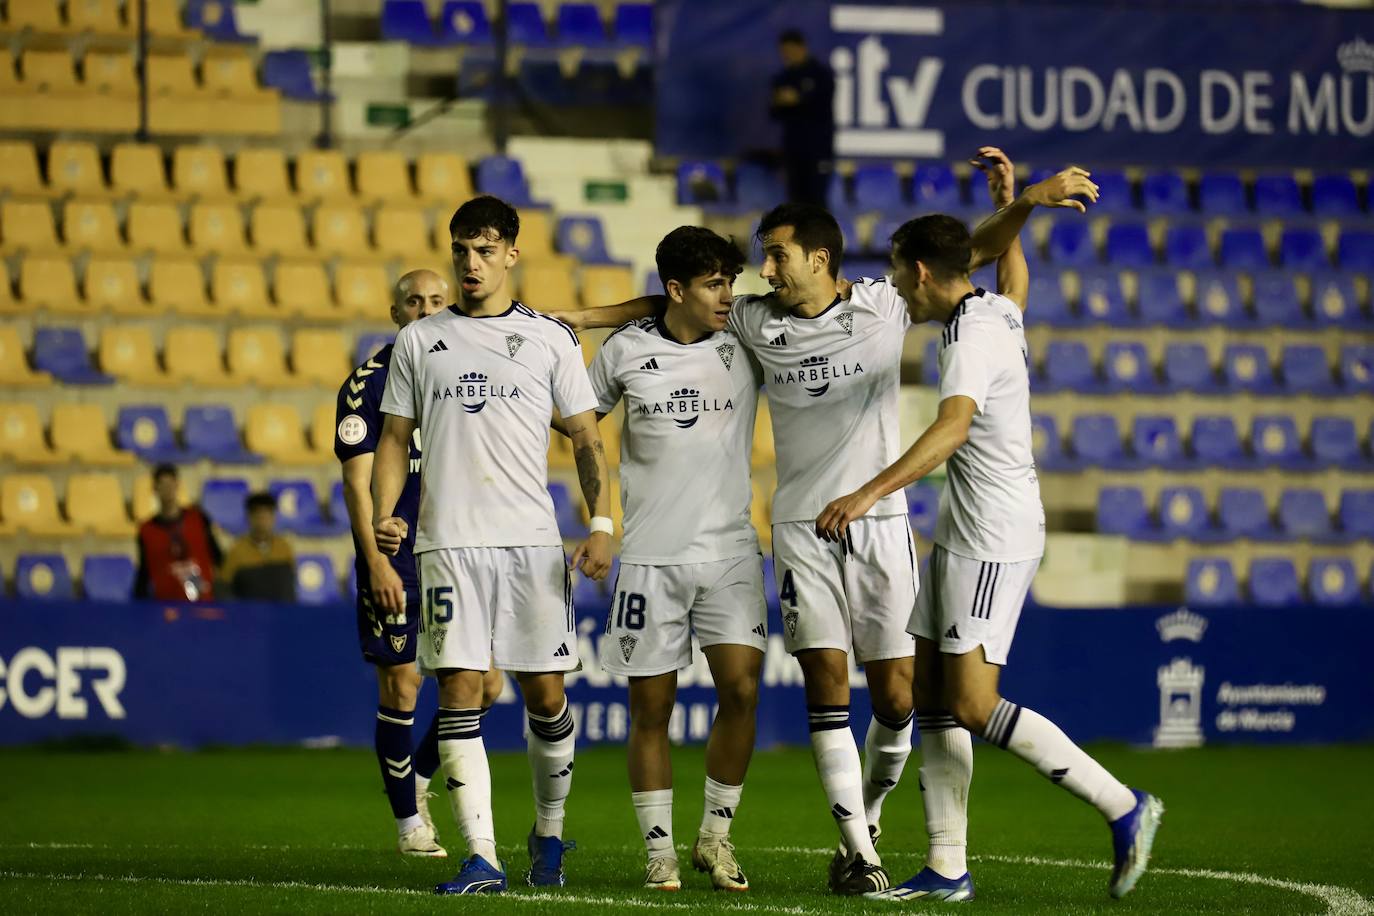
{"type": "Point", "coordinates": [603, 524]}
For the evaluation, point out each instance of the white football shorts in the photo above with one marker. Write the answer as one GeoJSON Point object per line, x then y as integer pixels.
{"type": "Point", "coordinates": [969, 603]}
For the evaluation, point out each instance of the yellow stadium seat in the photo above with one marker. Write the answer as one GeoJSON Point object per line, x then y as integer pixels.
{"type": "Point", "coordinates": [302, 288]}
{"type": "Point", "coordinates": [145, 504]}
{"type": "Point", "coordinates": [217, 228]}
{"type": "Point", "coordinates": [238, 285]}
{"type": "Point", "coordinates": [14, 365]}
{"type": "Point", "coordinates": [178, 284]}
{"type": "Point", "coordinates": [547, 286]}
{"type": "Point", "coordinates": [28, 504]}
{"type": "Point", "coordinates": [229, 73]}
{"type": "Point", "coordinates": [27, 225]}
{"type": "Point", "coordinates": [536, 236]}
{"type": "Point", "coordinates": [192, 354]}
{"type": "Point", "coordinates": [260, 172]}
{"type": "Point", "coordinates": [399, 231]}
{"type": "Point", "coordinates": [74, 168]}
{"type": "Point", "coordinates": [90, 225]}
{"type": "Point", "coordinates": [764, 455]}
{"type": "Point", "coordinates": [109, 72]}
{"type": "Point", "coordinates": [128, 353]}
{"type": "Point", "coordinates": [383, 175]}
{"type": "Point", "coordinates": [320, 356]}
{"type": "Point", "coordinates": [8, 304]}
{"type": "Point", "coordinates": [39, 15]}
{"type": "Point", "coordinates": [137, 169]}
{"type": "Point", "coordinates": [605, 285]}
{"type": "Point", "coordinates": [99, 16]}
{"type": "Point", "coordinates": [19, 166]}
{"type": "Point", "coordinates": [362, 290]}
{"type": "Point", "coordinates": [155, 228]}
{"type": "Point", "coordinates": [256, 357]}
{"type": "Point", "coordinates": [95, 503]}
{"type": "Point", "coordinates": [164, 19]}
{"type": "Point", "coordinates": [278, 229]}
{"type": "Point", "coordinates": [322, 175]}
{"type": "Point", "coordinates": [112, 285]}
{"type": "Point", "coordinates": [339, 229]}
{"type": "Point", "coordinates": [47, 281]}
{"type": "Point", "coordinates": [171, 75]}
{"type": "Point", "coordinates": [444, 179]}
{"type": "Point", "coordinates": [21, 436]}
{"type": "Point", "coordinates": [9, 79]}
{"type": "Point", "coordinates": [80, 430]}
{"type": "Point", "coordinates": [199, 171]}
{"type": "Point", "coordinates": [274, 430]}
{"type": "Point", "coordinates": [322, 431]}
{"type": "Point", "coordinates": [48, 71]}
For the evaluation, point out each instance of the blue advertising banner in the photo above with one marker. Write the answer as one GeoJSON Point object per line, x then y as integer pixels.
{"type": "Point", "coordinates": [238, 674]}
{"type": "Point", "coordinates": [1252, 85]}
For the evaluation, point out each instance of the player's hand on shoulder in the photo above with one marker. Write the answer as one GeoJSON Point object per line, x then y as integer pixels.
{"type": "Point", "coordinates": [572, 318]}
{"type": "Point", "coordinates": [834, 519]}
{"type": "Point", "coordinates": [593, 556]}
{"type": "Point", "coordinates": [387, 588]}
{"type": "Point", "coordinates": [1000, 173]}
{"type": "Point", "coordinates": [1063, 190]}
{"type": "Point", "coordinates": [389, 533]}
{"type": "Point", "coordinates": [843, 287]}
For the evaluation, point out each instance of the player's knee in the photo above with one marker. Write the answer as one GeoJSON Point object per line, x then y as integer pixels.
{"type": "Point", "coordinates": [651, 714]}
{"type": "Point", "coordinates": [892, 702]}
{"type": "Point", "coordinates": [492, 686]}
{"type": "Point", "coordinates": [398, 686]}
{"type": "Point", "coordinates": [738, 696]}
{"type": "Point", "coordinates": [971, 710]}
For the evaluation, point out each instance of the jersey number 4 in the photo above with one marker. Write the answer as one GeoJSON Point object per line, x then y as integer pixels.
{"type": "Point", "coordinates": [438, 606]}
{"type": "Point", "coordinates": [788, 591]}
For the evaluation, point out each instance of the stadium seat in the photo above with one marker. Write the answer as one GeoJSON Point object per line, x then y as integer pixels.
{"type": "Point", "coordinates": [177, 284]}
{"type": "Point", "coordinates": [27, 225]}
{"type": "Point", "coordinates": [1069, 367]}
{"type": "Point", "coordinates": [238, 285]}
{"type": "Point", "coordinates": [289, 72]}
{"type": "Point", "coordinates": [1101, 297]}
{"type": "Point", "coordinates": [192, 354]}
{"type": "Point", "coordinates": [1277, 195]}
{"type": "Point", "coordinates": [320, 356]}
{"type": "Point", "coordinates": [48, 282]}
{"type": "Point", "coordinates": [634, 24]}
{"type": "Point", "coordinates": [47, 71]}
{"type": "Point", "coordinates": [62, 353]}
{"type": "Point", "coordinates": [1128, 246]}
{"type": "Point", "coordinates": [758, 187]}
{"type": "Point", "coordinates": [109, 72]}
{"type": "Point", "coordinates": [209, 433]}
{"type": "Point", "coordinates": [1274, 582]}
{"type": "Point", "coordinates": [1097, 441]}
{"type": "Point", "coordinates": [1047, 302]}
{"type": "Point", "coordinates": [337, 516]}
{"type": "Point", "coordinates": [274, 431]}
{"type": "Point", "coordinates": [1114, 192]}
{"type": "Point", "coordinates": [28, 505]}
{"type": "Point", "coordinates": [21, 436]}
{"type": "Point", "coordinates": [14, 367]}
{"type": "Point", "coordinates": [1186, 246]}
{"type": "Point", "coordinates": [339, 230]}
{"type": "Point", "coordinates": [1218, 299]}
{"type": "Point", "coordinates": [1303, 249]}
{"type": "Point", "coordinates": [128, 354]}
{"type": "Point", "coordinates": [1246, 367]}
{"type": "Point", "coordinates": [465, 22]}
{"type": "Point", "coordinates": [362, 290]}
{"type": "Point", "coordinates": [227, 72]}
{"type": "Point", "coordinates": [408, 21]}
{"type": "Point", "coordinates": [100, 17]}
{"type": "Point", "coordinates": [74, 168]}
{"type": "Point", "coordinates": [1122, 511]}
{"type": "Point", "coordinates": [1070, 244]}
{"type": "Point", "coordinates": [579, 24]}
{"type": "Point", "coordinates": [146, 430]}
{"type": "Point", "coordinates": [1303, 514]}
{"type": "Point", "coordinates": [1128, 368]}
{"type": "Point", "coordinates": [172, 74]}
{"type": "Point", "coordinates": [701, 182]}
{"type": "Point", "coordinates": [567, 512]}
{"type": "Point", "coordinates": [583, 238]}
{"type": "Point", "coordinates": [1164, 193]}
{"type": "Point", "coordinates": [1158, 300]}
{"type": "Point", "coordinates": [95, 504]}
{"type": "Point", "coordinates": [1356, 250]}
{"type": "Point", "coordinates": [1276, 300]}
{"type": "Point", "coordinates": [399, 231]}
{"type": "Point", "coordinates": [137, 170]}
{"type": "Point", "coordinates": [302, 288]}
{"type": "Point", "coordinates": [383, 175]}
{"type": "Point", "coordinates": [260, 173]}
{"type": "Point", "coordinates": [1155, 442]}
{"type": "Point", "coordinates": [526, 26]}
{"type": "Point", "coordinates": [1242, 248]}
{"type": "Point", "coordinates": [19, 168]}
{"type": "Point", "coordinates": [164, 18]}
{"type": "Point", "coordinates": [108, 578]}
{"type": "Point", "coordinates": [443, 178]}
{"type": "Point", "coordinates": [1216, 443]}
{"type": "Point", "coordinates": [1243, 513]}
{"type": "Point", "coordinates": [279, 229]}
{"type": "Point", "coordinates": [505, 178]}
{"type": "Point", "coordinates": [255, 356]}
{"type": "Point", "coordinates": [82, 432]}
{"type": "Point", "coordinates": [1332, 582]}
{"type": "Point", "coordinates": [1183, 514]}
{"type": "Point", "coordinates": [322, 175]}
{"type": "Point", "coordinates": [1275, 443]}
{"type": "Point", "coordinates": [877, 187]}
{"type": "Point", "coordinates": [1306, 371]}
{"type": "Point", "coordinates": [1187, 367]}
{"type": "Point", "coordinates": [217, 228]}
{"type": "Point", "coordinates": [224, 500]}
{"type": "Point", "coordinates": [316, 581]}
{"type": "Point", "coordinates": [90, 225]}
{"type": "Point", "coordinates": [1222, 194]}
{"type": "Point", "coordinates": [1356, 514]}
{"type": "Point", "coordinates": [1335, 300]}
{"type": "Point", "coordinates": [298, 508]}
{"type": "Point", "coordinates": [42, 577]}
{"type": "Point", "coordinates": [155, 228]}
{"type": "Point", "coordinates": [1336, 444]}
{"type": "Point", "coordinates": [1357, 367]}
{"type": "Point", "coordinates": [935, 189]}
{"type": "Point", "coordinates": [545, 285]}
{"type": "Point", "coordinates": [216, 19]}
{"type": "Point", "coordinates": [1048, 446]}
{"type": "Point", "coordinates": [606, 285]}
{"type": "Point", "coordinates": [1334, 195]}
{"type": "Point", "coordinates": [922, 507]}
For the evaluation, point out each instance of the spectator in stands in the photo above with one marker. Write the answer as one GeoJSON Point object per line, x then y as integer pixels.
{"type": "Point", "coordinates": [261, 566]}
{"type": "Point", "coordinates": [177, 553]}
{"type": "Point", "coordinates": [803, 101]}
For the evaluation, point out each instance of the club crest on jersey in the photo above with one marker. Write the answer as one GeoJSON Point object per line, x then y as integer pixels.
{"type": "Point", "coordinates": [627, 646]}
{"type": "Point", "coordinates": [790, 619]}
{"type": "Point", "coordinates": [817, 369]}
{"type": "Point", "coordinates": [726, 352]}
{"type": "Point", "coordinates": [473, 391]}
{"type": "Point", "coordinates": [513, 344]}
{"type": "Point", "coordinates": [846, 321]}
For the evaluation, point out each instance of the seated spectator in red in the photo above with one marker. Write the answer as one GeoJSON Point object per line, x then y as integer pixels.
{"type": "Point", "coordinates": [261, 566]}
{"type": "Point", "coordinates": [177, 553]}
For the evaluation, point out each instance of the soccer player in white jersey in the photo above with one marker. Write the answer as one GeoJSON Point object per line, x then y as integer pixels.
{"type": "Point", "coordinates": [989, 538]}
{"type": "Point", "coordinates": [482, 379]}
{"type": "Point", "coordinates": [690, 562]}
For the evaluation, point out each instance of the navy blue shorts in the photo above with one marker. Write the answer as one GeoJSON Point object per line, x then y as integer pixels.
{"type": "Point", "coordinates": [384, 639]}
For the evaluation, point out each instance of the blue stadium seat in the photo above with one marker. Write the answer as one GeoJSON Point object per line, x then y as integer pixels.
{"type": "Point", "coordinates": [145, 430]}
{"type": "Point", "coordinates": [1211, 582]}
{"type": "Point", "coordinates": [701, 183]}
{"type": "Point", "coordinates": [1187, 367]}
{"type": "Point", "coordinates": [877, 187]}
{"type": "Point", "coordinates": [1243, 513]}
{"type": "Point", "coordinates": [1275, 442]}
{"type": "Point", "coordinates": [505, 178]}
{"type": "Point", "coordinates": [108, 578]}
{"type": "Point", "coordinates": [223, 500]}
{"type": "Point", "coordinates": [1069, 367]}
{"type": "Point", "coordinates": [1215, 442]}
{"type": "Point", "coordinates": [1336, 444]}
{"type": "Point", "coordinates": [42, 577]}
{"type": "Point", "coordinates": [1186, 246]}
{"type": "Point", "coordinates": [210, 433]}
{"type": "Point", "coordinates": [653, 283]}
{"type": "Point", "coordinates": [1334, 195]}
{"type": "Point", "coordinates": [216, 19]}
{"type": "Point", "coordinates": [1183, 514]}
{"type": "Point", "coordinates": [1046, 302]}
{"type": "Point", "coordinates": [1071, 244]}
{"type": "Point", "coordinates": [1128, 245]}
{"type": "Point", "coordinates": [316, 582]}
{"type": "Point", "coordinates": [566, 512]}
{"type": "Point", "coordinates": [1101, 298]}
{"type": "Point", "coordinates": [408, 21]}
{"type": "Point", "coordinates": [1356, 514]}
{"type": "Point", "coordinates": [1335, 301]}
{"type": "Point", "coordinates": [1122, 511]}
{"type": "Point", "coordinates": [935, 189]}
{"type": "Point", "coordinates": [634, 24]}
{"type": "Point", "coordinates": [850, 232]}
{"type": "Point", "coordinates": [525, 25]}
{"type": "Point", "coordinates": [465, 22]}
{"type": "Point", "coordinates": [1114, 192]}
{"type": "Point", "coordinates": [298, 508]}
{"type": "Point", "coordinates": [922, 506]}
{"type": "Point", "coordinates": [1048, 446]}
{"type": "Point", "coordinates": [1357, 367]}
{"type": "Point", "coordinates": [1217, 299]}
{"type": "Point", "coordinates": [1276, 300]}
{"type": "Point", "coordinates": [1158, 300]}
{"type": "Point", "coordinates": [837, 194]}
{"type": "Point", "coordinates": [1246, 367]}
{"type": "Point", "coordinates": [1332, 581]}
{"type": "Point", "coordinates": [289, 71]}
{"type": "Point", "coordinates": [1128, 368]}
{"type": "Point", "coordinates": [1156, 443]}
{"type": "Point", "coordinates": [337, 515]}
{"type": "Point", "coordinates": [62, 352]}
{"type": "Point", "coordinates": [930, 363]}
{"type": "Point", "coordinates": [477, 77]}
{"type": "Point", "coordinates": [1222, 194]}
{"type": "Point", "coordinates": [1303, 514]}
{"type": "Point", "coordinates": [758, 187]}
{"type": "Point", "coordinates": [1242, 248]}
{"type": "Point", "coordinates": [1164, 193]}
{"type": "Point", "coordinates": [1305, 370]}
{"type": "Point", "coordinates": [1302, 248]}
{"type": "Point", "coordinates": [1277, 195]}
{"type": "Point", "coordinates": [1274, 582]}
{"type": "Point", "coordinates": [583, 238]}
{"type": "Point", "coordinates": [1356, 250]}
{"type": "Point", "coordinates": [1097, 441]}
{"type": "Point", "coordinates": [542, 82]}
{"type": "Point", "coordinates": [369, 344]}
{"type": "Point", "coordinates": [579, 24]}
{"type": "Point", "coordinates": [880, 242]}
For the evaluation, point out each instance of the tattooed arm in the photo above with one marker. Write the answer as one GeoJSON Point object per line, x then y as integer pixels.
{"type": "Point", "coordinates": [593, 555]}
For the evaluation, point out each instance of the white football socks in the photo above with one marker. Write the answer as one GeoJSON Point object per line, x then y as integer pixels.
{"type": "Point", "coordinates": [467, 777]}
{"type": "Point", "coordinates": [946, 774]}
{"type": "Point", "coordinates": [719, 811]}
{"type": "Point", "coordinates": [886, 748]}
{"type": "Point", "coordinates": [550, 749]}
{"type": "Point", "coordinates": [837, 763]}
{"type": "Point", "coordinates": [654, 811]}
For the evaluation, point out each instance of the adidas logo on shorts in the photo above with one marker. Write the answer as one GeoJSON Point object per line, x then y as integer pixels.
{"type": "Point", "coordinates": [562, 651]}
{"type": "Point", "coordinates": [759, 631]}
{"type": "Point", "coordinates": [952, 633]}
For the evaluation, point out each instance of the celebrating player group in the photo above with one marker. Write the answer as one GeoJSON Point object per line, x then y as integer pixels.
{"type": "Point", "coordinates": [461, 563]}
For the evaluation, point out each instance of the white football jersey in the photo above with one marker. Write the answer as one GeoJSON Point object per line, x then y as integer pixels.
{"type": "Point", "coordinates": [991, 506]}
{"type": "Point", "coordinates": [483, 391]}
{"type": "Point", "coordinates": [684, 452]}
{"type": "Point", "coordinates": [833, 384]}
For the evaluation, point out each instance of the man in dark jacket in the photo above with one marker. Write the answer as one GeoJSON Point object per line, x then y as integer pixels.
{"type": "Point", "coordinates": [803, 102]}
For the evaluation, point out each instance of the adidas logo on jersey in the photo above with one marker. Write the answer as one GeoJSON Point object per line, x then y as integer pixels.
{"type": "Point", "coordinates": [439, 346]}
{"type": "Point", "coordinates": [779, 341]}
{"type": "Point", "coordinates": [562, 651]}
{"type": "Point", "coordinates": [650, 366]}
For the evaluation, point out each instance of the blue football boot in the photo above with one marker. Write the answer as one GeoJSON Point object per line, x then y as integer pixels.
{"type": "Point", "coordinates": [1133, 835]}
{"type": "Point", "coordinates": [477, 876]}
{"type": "Point", "coordinates": [546, 860]}
{"type": "Point", "coordinates": [928, 884]}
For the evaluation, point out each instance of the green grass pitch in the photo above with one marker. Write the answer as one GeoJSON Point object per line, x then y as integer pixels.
{"type": "Point", "coordinates": [1247, 830]}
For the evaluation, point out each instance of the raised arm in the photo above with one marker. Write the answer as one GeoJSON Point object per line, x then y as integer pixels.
{"type": "Point", "coordinates": [613, 316]}
{"type": "Point", "coordinates": [995, 234]}
{"type": "Point", "coordinates": [1013, 277]}
{"type": "Point", "coordinates": [390, 466]}
{"type": "Point", "coordinates": [593, 555]}
{"type": "Point", "coordinates": [386, 585]}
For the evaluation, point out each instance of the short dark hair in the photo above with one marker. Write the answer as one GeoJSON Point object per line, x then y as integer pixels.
{"type": "Point", "coordinates": [689, 252]}
{"type": "Point", "coordinates": [792, 37]}
{"type": "Point", "coordinates": [483, 214]}
{"type": "Point", "coordinates": [813, 228]}
{"type": "Point", "coordinates": [942, 243]}
{"type": "Point", "coordinates": [165, 470]}
{"type": "Point", "coordinates": [261, 500]}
